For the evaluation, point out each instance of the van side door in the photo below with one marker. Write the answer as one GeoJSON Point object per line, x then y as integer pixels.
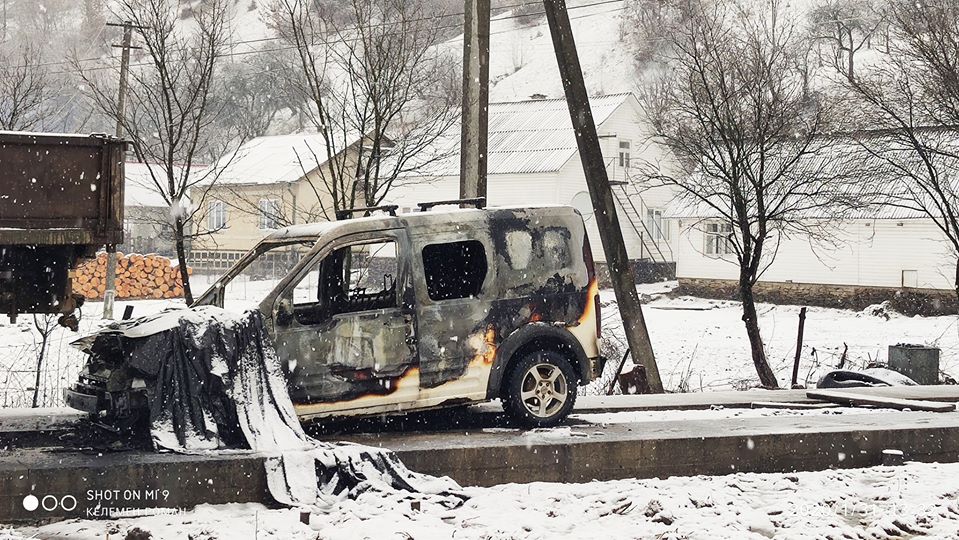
{"type": "Point", "coordinates": [454, 289]}
{"type": "Point", "coordinates": [345, 329]}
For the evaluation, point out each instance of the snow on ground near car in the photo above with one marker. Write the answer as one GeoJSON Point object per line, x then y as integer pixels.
{"type": "Point", "coordinates": [879, 502]}
{"type": "Point", "coordinates": [701, 344]}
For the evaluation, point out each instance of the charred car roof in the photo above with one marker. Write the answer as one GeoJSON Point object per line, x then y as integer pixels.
{"type": "Point", "coordinates": [413, 220]}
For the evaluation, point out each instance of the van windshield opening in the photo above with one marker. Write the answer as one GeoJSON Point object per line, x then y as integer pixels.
{"type": "Point", "coordinates": [255, 277]}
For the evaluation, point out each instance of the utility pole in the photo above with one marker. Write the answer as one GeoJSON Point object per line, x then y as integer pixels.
{"type": "Point", "coordinates": [475, 126]}
{"type": "Point", "coordinates": [111, 272]}
{"type": "Point", "coordinates": [600, 191]}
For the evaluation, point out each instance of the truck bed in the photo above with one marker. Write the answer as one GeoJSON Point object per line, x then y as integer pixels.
{"type": "Point", "coordinates": [60, 189]}
{"type": "Point", "coordinates": [61, 199]}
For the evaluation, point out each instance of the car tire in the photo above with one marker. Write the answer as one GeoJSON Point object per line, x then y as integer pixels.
{"type": "Point", "coordinates": [540, 389]}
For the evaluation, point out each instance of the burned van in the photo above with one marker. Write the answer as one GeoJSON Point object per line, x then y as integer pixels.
{"type": "Point", "coordinates": [429, 309]}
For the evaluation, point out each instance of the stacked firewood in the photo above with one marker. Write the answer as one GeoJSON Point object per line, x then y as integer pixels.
{"type": "Point", "coordinates": [138, 276]}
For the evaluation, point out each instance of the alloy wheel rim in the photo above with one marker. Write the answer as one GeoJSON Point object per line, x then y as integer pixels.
{"type": "Point", "coordinates": [543, 391]}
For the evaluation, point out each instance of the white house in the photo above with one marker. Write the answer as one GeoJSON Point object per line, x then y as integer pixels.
{"type": "Point", "coordinates": [533, 159]}
{"type": "Point", "coordinates": [882, 252]}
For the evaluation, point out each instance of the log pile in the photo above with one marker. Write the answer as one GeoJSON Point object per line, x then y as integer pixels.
{"type": "Point", "coordinates": [138, 277]}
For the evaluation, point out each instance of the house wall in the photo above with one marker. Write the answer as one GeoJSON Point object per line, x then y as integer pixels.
{"type": "Point", "coordinates": [147, 230]}
{"type": "Point", "coordinates": [867, 254]}
{"type": "Point", "coordinates": [562, 186]}
{"type": "Point", "coordinates": [242, 229]}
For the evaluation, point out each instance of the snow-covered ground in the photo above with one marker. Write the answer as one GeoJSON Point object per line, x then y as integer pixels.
{"type": "Point", "coordinates": [701, 344]}
{"type": "Point", "coordinates": [882, 502]}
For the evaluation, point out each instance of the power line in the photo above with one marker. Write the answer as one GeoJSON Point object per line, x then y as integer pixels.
{"type": "Point", "coordinates": [334, 42]}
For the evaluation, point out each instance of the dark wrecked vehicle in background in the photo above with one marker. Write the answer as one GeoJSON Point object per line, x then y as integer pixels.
{"type": "Point", "coordinates": [388, 313]}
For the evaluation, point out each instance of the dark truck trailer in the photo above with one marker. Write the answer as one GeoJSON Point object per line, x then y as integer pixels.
{"type": "Point", "coordinates": [61, 199]}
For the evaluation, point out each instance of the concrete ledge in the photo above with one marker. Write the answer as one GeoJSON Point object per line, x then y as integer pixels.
{"type": "Point", "coordinates": [743, 399]}
{"type": "Point", "coordinates": [692, 447]}
{"type": "Point", "coordinates": [491, 456]}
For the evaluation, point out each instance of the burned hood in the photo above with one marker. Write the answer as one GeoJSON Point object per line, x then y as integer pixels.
{"type": "Point", "coordinates": [151, 325]}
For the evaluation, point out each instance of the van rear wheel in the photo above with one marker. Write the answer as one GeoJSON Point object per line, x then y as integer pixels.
{"type": "Point", "coordinates": [541, 389]}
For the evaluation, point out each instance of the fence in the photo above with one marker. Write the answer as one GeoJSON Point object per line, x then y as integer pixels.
{"type": "Point", "coordinates": [18, 370]}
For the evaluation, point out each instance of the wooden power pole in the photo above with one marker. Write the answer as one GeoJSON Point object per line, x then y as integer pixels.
{"type": "Point", "coordinates": [475, 127]}
{"type": "Point", "coordinates": [600, 192]}
{"type": "Point", "coordinates": [111, 272]}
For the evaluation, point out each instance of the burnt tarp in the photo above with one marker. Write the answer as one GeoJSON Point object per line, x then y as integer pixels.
{"type": "Point", "coordinates": [214, 382]}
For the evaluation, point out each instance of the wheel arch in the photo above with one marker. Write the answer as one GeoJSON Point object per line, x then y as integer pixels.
{"type": "Point", "coordinates": [532, 337]}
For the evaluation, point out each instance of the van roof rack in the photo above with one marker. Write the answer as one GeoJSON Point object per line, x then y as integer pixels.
{"type": "Point", "coordinates": [477, 202]}
{"type": "Point", "coordinates": [347, 213]}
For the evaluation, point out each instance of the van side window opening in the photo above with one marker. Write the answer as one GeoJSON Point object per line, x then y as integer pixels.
{"type": "Point", "coordinates": [455, 270]}
{"type": "Point", "coordinates": [556, 246]}
{"type": "Point", "coordinates": [360, 277]}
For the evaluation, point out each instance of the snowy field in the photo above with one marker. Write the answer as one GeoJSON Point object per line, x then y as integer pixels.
{"type": "Point", "coordinates": [700, 344]}
{"type": "Point", "coordinates": [916, 500]}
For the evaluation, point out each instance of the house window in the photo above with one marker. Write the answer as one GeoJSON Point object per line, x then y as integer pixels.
{"type": "Point", "coordinates": [454, 270]}
{"type": "Point", "coordinates": [624, 148]}
{"type": "Point", "coordinates": [910, 278]}
{"type": "Point", "coordinates": [216, 218]}
{"type": "Point", "coordinates": [717, 239]}
{"type": "Point", "coordinates": [269, 214]}
{"type": "Point", "coordinates": [655, 225]}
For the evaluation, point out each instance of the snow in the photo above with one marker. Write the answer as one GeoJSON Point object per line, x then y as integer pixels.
{"type": "Point", "coordinates": [523, 63]}
{"type": "Point", "coordinates": [701, 344]}
{"type": "Point", "coordinates": [882, 502]}
{"type": "Point", "coordinates": [275, 159]}
{"type": "Point", "coordinates": [718, 413]}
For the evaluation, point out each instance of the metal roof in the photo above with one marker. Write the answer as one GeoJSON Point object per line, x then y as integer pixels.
{"type": "Point", "coordinates": [531, 136]}
{"type": "Point", "coordinates": [868, 175]}
{"type": "Point", "coordinates": [140, 190]}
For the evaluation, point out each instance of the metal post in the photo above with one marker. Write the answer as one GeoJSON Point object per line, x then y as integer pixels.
{"type": "Point", "coordinates": [110, 293]}
{"type": "Point", "coordinates": [802, 325]}
{"type": "Point", "coordinates": [474, 136]}
{"type": "Point", "coordinates": [600, 191]}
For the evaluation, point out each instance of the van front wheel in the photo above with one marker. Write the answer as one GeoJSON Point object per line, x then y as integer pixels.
{"type": "Point", "coordinates": [541, 389]}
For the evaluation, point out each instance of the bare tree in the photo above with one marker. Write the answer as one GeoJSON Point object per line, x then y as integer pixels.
{"type": "Point", "coordinates": [848, 26]}
{"type": "Point", "coordinates": [251, 97]}
{"type": "Point", "coordinates": [377, 89]}
{"type": "Point", "coordinates": [45, 325]}
{"type": "Point", "coordinates": [647, 25]}
{"type": "Point", "coordinates": [26, 89]}
{"type": "Point", "coordinates": [170, 110]}
{"type": "Point", "coordinates": [912, 98]}
{"type": "Point", "coordinates": [732, 105]}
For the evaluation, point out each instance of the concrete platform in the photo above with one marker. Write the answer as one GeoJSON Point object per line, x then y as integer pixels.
{"type": "Point", "coordinates": [92, 484]}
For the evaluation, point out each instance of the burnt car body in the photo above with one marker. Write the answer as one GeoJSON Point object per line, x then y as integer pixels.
{"type": "Point", "coordinates": [429, 309]}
